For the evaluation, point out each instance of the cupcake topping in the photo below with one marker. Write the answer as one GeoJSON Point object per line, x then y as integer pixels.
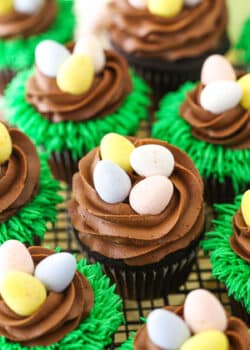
{"type": "Point", "coordinates": [40, 309]}
{"type": "Point", "coordinates": [201, 323]}
{"type": "Point", "coordinates": [138, 4]}
{"type": "Point", "coordinates": [165, 8]}
{"type": "Point", "coordinates": [217, 67]}
{"type": "Point", "coordinates": [245, 207]}
{"type": "Point", "coordinates": [5, 144]}
{"type": "Point", "coordinates": [6, 7]}
{"type": "Point", "coordinates": [28, 6]}
{"type": "Point", "coordinates": [149, 196]}
{"type": "Point", "coordinates": [244, 83]}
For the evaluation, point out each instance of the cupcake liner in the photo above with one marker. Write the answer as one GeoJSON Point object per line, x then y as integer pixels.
{"type": "Point", "coordinates": [217, 192]}
{"type": "Point", "coordinates": [239, 311]}
{"type": "Point", "coordinates": [63, 165]}
{"type": "Point", "coordinates": [168, 76]}
{"type": "Point", "coordinates": [6, 75]}
{"type": "Point", "coordinates": [149, 281]}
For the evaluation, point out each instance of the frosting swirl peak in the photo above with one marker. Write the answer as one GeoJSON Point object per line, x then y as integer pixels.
{"type": "Point", "coordinates": [117, 232]}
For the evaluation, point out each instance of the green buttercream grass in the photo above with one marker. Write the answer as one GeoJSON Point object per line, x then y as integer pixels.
{"type": "Point", "coordinates": [95, 332]}
{"type": "Point", "coordinates": [211, 160]}
{"type": "Point", "coordinates": [76, 137]}
{"type": "Point", "coordinates": [244, 42]}
{"type": "Point", "coordinates": [31, 221]}
{"type": "Point", "coordinates": [228, 267]}
{"type": "Point", "coordinates": [18, 54]}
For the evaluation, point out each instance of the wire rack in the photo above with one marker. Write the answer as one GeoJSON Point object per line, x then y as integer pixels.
{"type": "Point", "coordinates": [200, 277]}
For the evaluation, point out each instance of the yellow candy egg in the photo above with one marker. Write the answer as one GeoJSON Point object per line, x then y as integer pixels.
{"type": "Point", "coordinates": [5, 144]}
{"type": "Point", "coordinates": [244, 83]}
{"type": "Point", "coordinates": [76, 75]}
{"type": "Point", "coordinates": [6, 6]}
{"type": "Point", "coordinates": [118, 149]}
{"type": "Point", "coordinates": [210, 340]}
{"type": "Point", "coordinates": [245, 207]}
{"type": "Point", "coordinates": [165, 8]}
{"type": "Point", "coordinates": [23, 293]}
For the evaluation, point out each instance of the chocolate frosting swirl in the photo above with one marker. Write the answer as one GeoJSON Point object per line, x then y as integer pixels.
{"type": "Point", "coordinates": [60, 314]}
{"type": "Point", "coordinates": [230, 129]}
{"type": "Point", "coordinates": [107, 93]}
{"type": "Point", "coordinates": [237, 333]}
{"type": "Point", "coordinates": [17, 24]}
{"type": "Point", "coordinates": [19, 176]}
{"type": "Point", "coordinates": [195, 31]}
{"type": "Point", "coordinates": [117, 232]}
{"type": "Point", "coordinates": [240, 240]}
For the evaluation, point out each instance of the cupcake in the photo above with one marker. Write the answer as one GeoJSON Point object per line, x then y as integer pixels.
{"type": "Point", "coordinates": [51, 301]}
{"type": "Point", "coordinates": [168, 41]}
{"type": "Point", "coordinates": [75, 95]}
{"type": "Point", "coordinates": [137, 208]}
{"type": "Point", "coordinates": [23, 24]}
{"type": "Point", "coordinates": [201, 323]}
{"type": "Point", "coordinates": [228, 245]}
{"type": "Point", "coordinates": [210, 121]}
{"type": "Point", "coordinates": [28, 193]}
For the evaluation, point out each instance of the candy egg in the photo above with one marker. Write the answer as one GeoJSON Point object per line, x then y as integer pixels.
{"type": "Point", "coordinates": [217, 67]}
{"type": "Point", "coordinates": [192, 2]}
{"type": "Point", "coordinates": [152, 195]}
{"type": "Point", "coordinates": [56, 271]}
{"type": "Point", "coordinates": [76, 74]}
{"type": "Point", "coordinates": [244, 83]}
{"type": "Point", "coordinates": [23, 293]}
{"type": "Point", "coordinates": [111, 182]}
{"type": "Point", "coordinates": [165, 8]}
{"type": "Point", "coordinates": [50, 55]}
{"type": "Point", "coordinates": [5, 144]}
{"type": "Point", "coordinates": [118, 149]}
{"type": "Point", "coordinates": [245, 207]}
{"type": "Point", "coordinates": [211, 340]}
{"type": "Point", "coordinates": [92, 47]}
{"type": "Point", "coordinates": [220, 96]}
{"type": "Point", "coordinates": [167, 330]}
{"type": "Point", "coordinates": [139, 4]}
{"type": "Point", "coordinates": [6, 7]}
{"type": "Point", "coordinates": [15, 256]}
{"type": "Point", "coordinates": [28, 6]}
{"type": "Point", "coordinates": [203, 311]}
{"type": "Point", "coordinates": [149, 160]}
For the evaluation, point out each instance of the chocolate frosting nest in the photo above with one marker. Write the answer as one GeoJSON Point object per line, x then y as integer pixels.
{"type": "Point", "coordinates": [237, 333]}
{"type": "Point", "coordinates": [107, 93]}
{"type": "Point", "coordinates": [18, 24]}
{"type": "Point", "coordinates": [195, 31]}
{"type": "Point", "coordinates": [19, 176]}
{"type": "Point", "coordinates": [117, 232]}
{"type": "Point", "coordinates": [240, 240]}
{"type": "Point", "coordinates": [230, 129]}
{"type": "Point", "coordinates": [59, 315]}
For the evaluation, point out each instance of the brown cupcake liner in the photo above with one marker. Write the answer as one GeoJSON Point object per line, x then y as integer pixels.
{"type": "Point", "coordinates": [6, 75]}
{"type": "Point", "coordinates": [239, 311]}
{"type": "Point", "coordinates": [217, 192]}
{"type": "Point", "coordinates": [168, 76]}
{"type": "Point", "coordinates": [63, 166]}
{"type": "Point", "coordinates": [149, 281]}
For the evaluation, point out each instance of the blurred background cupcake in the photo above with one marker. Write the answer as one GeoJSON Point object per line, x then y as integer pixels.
{"type": "Point", "coordinates": [23, 24]}
{"type": "Point", "coordinates": [73, 97]}
{"type": "Point", "coordinates": [51, 301]}
{"type": "Point", "coordinates": [200, 323]}
{"type": "Point", "coordinates": [168, 41]}
{"type": "Point", "coordinates": [28, 193]}
{"type": "Point", "coordinates": [137, 208]}
{"type": "Point", "coordinates": [210, 121]}
{"type": "Point", "coordinates": [229, 247]}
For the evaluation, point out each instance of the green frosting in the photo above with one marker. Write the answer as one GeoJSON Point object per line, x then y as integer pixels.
{"type": "Point", "coordinates": [228, 267]}
{"type": "Point", "coordinates": [129, 344]}
{"type": "Point", "coordinates": [32, 219]}
{"type": "Point", "coordinates": [244, 42]}
{"type": "Point", "coordinates": [211, 160]}
{"type": "Point", "coordinates": [95, 332]}
{"type": "Point", "coordinates": [76, 137]}
{"type": "Point", "coordinates": [17, 54]}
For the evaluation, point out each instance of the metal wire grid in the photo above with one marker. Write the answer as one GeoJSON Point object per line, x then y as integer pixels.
{"type": "Point", "coordinates": [200, 277]}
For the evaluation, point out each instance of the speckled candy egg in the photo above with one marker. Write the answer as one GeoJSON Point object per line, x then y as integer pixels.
{"type": "Point", "coordinates": [192, 3]}
{"type": "Point", "coordinates": [139, 4]}
{"type": "Point", "coordinates": [5, 144]}
{"type": "Point", "coordinates": [167, 330]}
{"type": "Point", "coordinates": [28, 6]}
{"type": "Point", "coordinates": [203, 312]}
{"type": "Point", "coordinates": [210, 340]}
{"type": "Point", "coordinates": [165, 8]}
{"type": "Point", "coordinates": [217, 67]}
